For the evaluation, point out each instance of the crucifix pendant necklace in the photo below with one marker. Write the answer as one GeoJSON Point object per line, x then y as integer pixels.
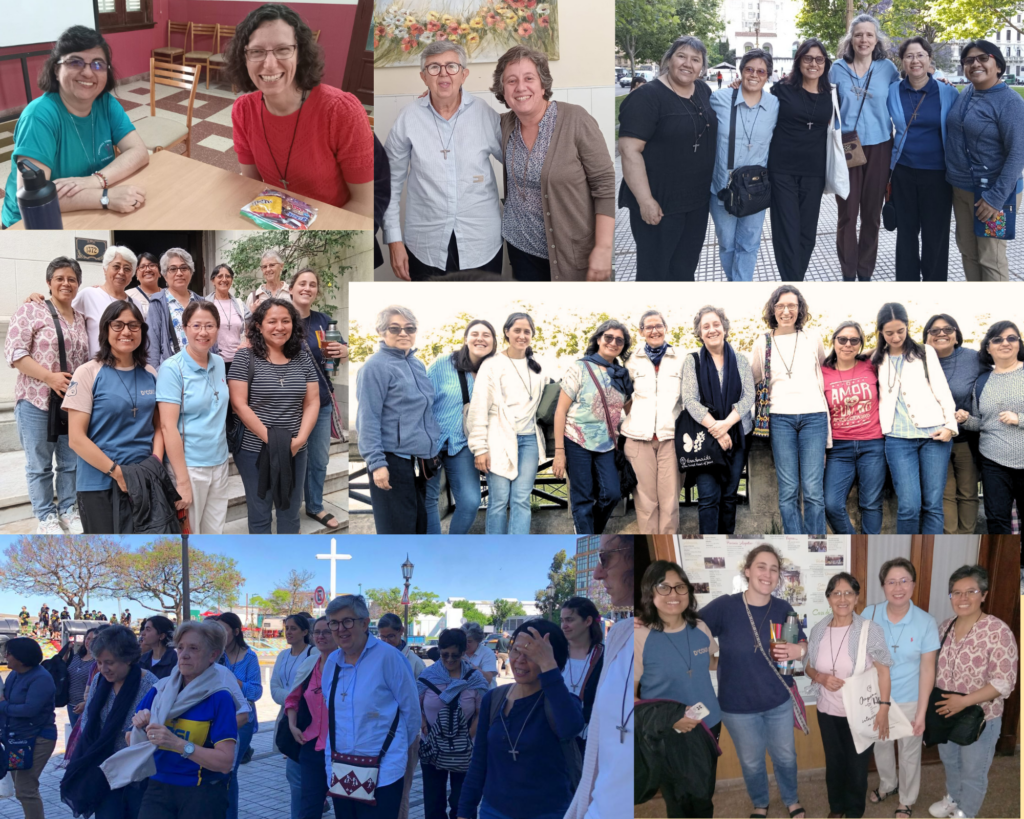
{"type": "Point", "coordinates": [621, 727]}
{"type": "Point", "coordinates": [889, 373]}
{"type": "Point", "coordinates": [131, 396]}
{"type": "Point", "coordinates": [446, 149]}
{"type": "Point", "coordinates": [743, 122]}
{"type": "Point", "coordinates": [792, 359]}
{"type": "Point", "coordinates": [895, 640]}
{"type": "Point", "coordinates": [689, 651]}
{"type": "Point", "coordinates": [282, 177]}
{"type": "Point", "coordinates": [693, 119]}
{"type": "Point", "coordinates": [514, 745]}
{"type": "Point", "coordinates": [835, 656]}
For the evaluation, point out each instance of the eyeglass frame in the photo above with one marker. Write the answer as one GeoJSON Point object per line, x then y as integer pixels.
{"type": "Point", "coordinates": [685, 589]}
{"type": "Point", "coordinates": [90, 63]}
{"type": "Point", "coordinates": [339, 625]}
{"type": "Point", "coordinates": [838, 594]}
{"type": "Point", "coordinates": [981, 59]}
{"type": "Point", "coordinates": [180, 269]}
{"type": "Point", "coordinates": [125, 324]}
{"type": "Point", "coordinates": [810, 59]}
{"type": "Point", "coordinates": [846, 341]}
{"type": "Point", "coordinates": [395, 330]}
{"type": "Point", "coordinates": [445, 66]}
{"type": "Point", "coordinates": [250, 59]}
{"type": "Point", "coordinates": [1010, 339]}
{"type": "Point", "coordinates": [616, 341]}
{"type": "Point", "coordinates": [902, 582]}
{"type": "Point", "coordinates": [600, 555]}
{"type": "Point", "coordinates": [782, 309]}
{"type": "Point", "coordinates": [942, 331]}
{"type": "Point", "coordinates": [756, 72]}
{"type": "Point", "coordinates": [969, 594]}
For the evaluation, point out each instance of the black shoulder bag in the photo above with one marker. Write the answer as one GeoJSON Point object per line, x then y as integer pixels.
{"type": "Point", "coordinates": [57, 418]}
{"type": "Point", "coordinates": [964, 728]}
{"type": "Point", "coordinates": [235, 427]}
{"type": "Point", "coordinates": [748, 190]}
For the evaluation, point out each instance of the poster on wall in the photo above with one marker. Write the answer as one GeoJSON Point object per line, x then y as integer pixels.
{"type": "Point", "coordinates": [714, 565]}
{"type": "Point", "coordinates": [485, 28]}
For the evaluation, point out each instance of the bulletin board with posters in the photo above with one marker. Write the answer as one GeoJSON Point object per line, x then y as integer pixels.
{"type": "Point", "coordinates": [714, 565]}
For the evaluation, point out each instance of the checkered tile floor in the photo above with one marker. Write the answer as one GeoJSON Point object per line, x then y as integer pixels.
{"type": "Point", "coordinates": [824, 264]}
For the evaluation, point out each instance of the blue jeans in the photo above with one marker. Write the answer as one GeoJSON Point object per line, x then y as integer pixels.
{"type": "Point", "coordinates": [72, 716]}
{"type": "Point", "coordinates": [967, 768]}
{"type": "Point", "coordinates": [739, 240]}
{"type": "Point", "coordinates": [863, 461]}
{"type": "Point", "coordinates": [593, 487]}
{"type": "Point", "coordinates": [918, 467]}
{"type": "Point", "coordinates": [752, 734]}
{"type": "Point", "coordinates": [244, 740]}
{"type": "Point", "coordinates": [39, 470]}
{"type": "Point", "coordinates": [508, 504]}
{"type": "Point", "coordinates": [313, 771]}
{"type": "Point", "coordinates": [293, 773]}
{"type": "Point", "coordinates": [798, 444]}
{"type": "Point", "coordinates": [464, 480]}
{"type": "Point", "coordinates": [717, 495]}
{"type": "Point", "coordinates": [318, 452]}
{"type": "Point", "coordinates": [260, 510]}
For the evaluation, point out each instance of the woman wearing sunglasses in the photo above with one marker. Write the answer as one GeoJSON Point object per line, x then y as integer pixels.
{"type": "Point", "coordinates": [70, 132]}
{"type": "Point", "coordinates": [596, 393]}
{"type": "Point", "coordinates": [858, 446]}
{"type": "Point", "coordinates": [997, 409]}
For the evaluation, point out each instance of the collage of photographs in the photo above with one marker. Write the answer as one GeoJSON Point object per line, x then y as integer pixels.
{"type": "Point", "coordinates": [241, 386]}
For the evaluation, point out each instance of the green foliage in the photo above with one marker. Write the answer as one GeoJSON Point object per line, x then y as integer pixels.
{"type": "Point", "coordinates": [561, 575]}
{"type": "Point", "coordinates": [971, 19]}
{"type": "Point", "coordinates": [720, 52]}
{"type": "Point", "coordinates": [644, 29]}
{"type": "Point", "coordinates": [698, 18]}
{"type": "Point", "coordinates": [503, 609]}
{"type": "Point", "coordinates": [472, 613]}
{"type": "Point", "coordinates": [276, 604]}
{"type": "Point", "coordinates": [420, 602]}
{"type": "Point", "coordinates": [824, 19]}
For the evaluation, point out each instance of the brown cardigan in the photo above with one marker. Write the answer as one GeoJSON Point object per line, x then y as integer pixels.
{"type": "Point", "coordinates": [577, 182]}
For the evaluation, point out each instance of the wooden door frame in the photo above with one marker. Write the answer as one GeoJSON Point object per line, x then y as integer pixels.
{"type": "Point", "coordinates": [357, 49]}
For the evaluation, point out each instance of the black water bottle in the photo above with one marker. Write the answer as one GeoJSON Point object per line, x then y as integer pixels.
{"type": "Point", "coordinates": [37, 200]}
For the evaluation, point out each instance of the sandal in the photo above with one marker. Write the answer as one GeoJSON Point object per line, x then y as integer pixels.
{"type": "Point", "coordinates": [322, 519]}
{"type": "Point", "coordinates": [797, 811]}
{"type": "Point", "coordinates": [877, 797]}
{"type": "Point", "coordinates": [760, 815]}
{"type": "Point", "coordinates": [907, 812]}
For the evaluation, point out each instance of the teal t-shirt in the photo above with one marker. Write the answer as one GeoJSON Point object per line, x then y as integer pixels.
{"type": "Point", "coordinates": [66, 144]}
{"type": "Point", "coordinates": [916, 634]}
{"type": "Point", "coordinates": [206, 405]}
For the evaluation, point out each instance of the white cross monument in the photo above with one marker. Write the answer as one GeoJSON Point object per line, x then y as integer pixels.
{"type": "Point", "coordinates": [334, 557]}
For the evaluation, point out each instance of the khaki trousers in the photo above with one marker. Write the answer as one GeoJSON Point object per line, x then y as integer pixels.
{"type": "Point", "coordinates": [983, 259]}
{"type": "Point", "coordinates": [910, 761]}
{"type": "Point", "coordinates": [26, 783]}
{"type": "Point", "coordinates": [414, 759]}
{"type": "Point", "coordinates": [960, 498]}
{"type": "Point", "coordinates": [657, 485]}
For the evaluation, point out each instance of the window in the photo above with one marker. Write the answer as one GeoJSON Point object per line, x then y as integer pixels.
{"type": "Point", "coordinates": [999, 35]}
{"type": "Point", "coordinates": [124, 15]}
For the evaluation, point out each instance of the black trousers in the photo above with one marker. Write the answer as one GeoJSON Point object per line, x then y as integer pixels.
{"type": "Point", "coordinates": [402, 509]}
{"type": "Point", "coordinates": [420, 272]}
{"type": "Point", "coordinates": [846, 771]}
{"type": "Point", "coordinates": [796, 202]}
{"type": "Point", "coordinates": [526, 267]}
{"type": "Point", "coordinates": [1003, 486]}
{"type": "Point", "coordinates": [97, 512]}
{"type": "Point", "coordinates": [207, 800]}
{"type": "Point", "coordinates": [438, 803]}
{"type": "Point", "coordinates": [389, 802]}
{"type": "Point", "coordinates": [683, 806]}
{"type": "Point", "coordinates": [670, 250]}
{"type": "Point", "coordinates": [923, 202]}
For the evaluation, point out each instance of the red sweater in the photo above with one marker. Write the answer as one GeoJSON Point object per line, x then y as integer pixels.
{"type": "Point", "coordinates": [334, 145]}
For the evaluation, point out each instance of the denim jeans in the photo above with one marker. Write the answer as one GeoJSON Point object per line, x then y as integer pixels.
{"type": "Point", "coordinates": [293, 773]}
{"type": "Point", "coordinates": [314, 781]}
{"type": "Point", "coordinates": [772, 730]}
{"type": "Point", "coordinates": [739, 240]}
{"type": "Point", "coordinates": [863, 461]}
{"type": "Point", "coordinates": [244, 740]}
{"type": "Point", "coordinates": [717, 495]}
{"type": "Point", "coordinates": [593, 487]}
{"type": "Point", "coordinates": [798, 444]}
{"type": "Point", "coordinates": [967, 768]}
{"type": "Point", "coordinates": [918, 467]}
{"type": "Point", "coordinates": [508, 504]}
{"type": "Point", "coordinates": [260, 510]}
{"type": "Point", "coordinates": [464, 481]}
{"type": "Point", "coordinates": [1002, 486]}
{"type": "Point", "coordinates": [39, 469]}
{"type": "Point", "coordinates": [318, 452]}
{"type": "Point", "coordinates": [72, 716]}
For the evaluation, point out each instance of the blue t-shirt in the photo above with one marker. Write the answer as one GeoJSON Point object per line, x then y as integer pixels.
{"type": "Point", "coordinates": [667, 660]}
{"type": "Point", "coordinates": [204, 725]}
{"type": "Point", "coordinates": [916, 634]}
{"type": "Point", "coordinates": [875, 125]}
{"type": "Point", "coordinates": [66, 144]}
{"type": "Point", "coordinates": [746, 682]}
{"type": "Point", "coordinates": [206, 405]}
{"type": "Point", "coordinates": [922, 148]}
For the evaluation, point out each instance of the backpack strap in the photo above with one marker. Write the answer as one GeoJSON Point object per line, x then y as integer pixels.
{"type": "Point", "coordinates": [60, 337]}
{"type": "Point", "coordinates": [432, 687]}
{"type": "Point", "coordinates": [570, 750]}
{"type": "Point", "coordinates": [732, 132]}
{"type": "Point", "coordinates": [464, 384]}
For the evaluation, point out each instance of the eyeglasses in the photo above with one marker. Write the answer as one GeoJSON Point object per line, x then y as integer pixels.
{"type": "Point", "coordinates": [902, 582]}
{"type": "Point", "coordinates": [450, 655]}
{"type": "Point", "coordinates": [78, 64]}
{"type": "Point", "coordinates": [846, 341]}
{"type": "Point", "coordinates": [435, 68]}
{"type": "Point", "coordinates": [655, 327]}
{"type": "Point", "coordinates": [183, 269]}
{"type": "Point", "coordinates": [982, 59]}
{"type": "Point", "coordinates": [198, 328]}
{"type": "Point", "coordinates": [395, 330]}
{"type": "Point", "coordinates": [614, 341]}
{"type": "Point", "coordinates": [919, 57]}
{"type": "Point", "coordinates": [258, 55]}
{"type": "Point", "coordinates": [345, 623]}
{"type": "Point", "coordinates": [810, 59]}
{"type": "Point", "coordinates": [755, 72]}
{"type": "Point", "coordinates": [1010, 339]}
{"type": "Point", "coordinates": [842, 595]}
{"type": "Point", "coordinates": [664, 589]}
{"type": "Point", "coordinates": [782, 309]}
{"type": "Point", "coordinates": [941, 331]}
{"type": "Point", "coordinates": [602, 556]}
{"type": "Point", "coordinates": [118, 326]}
{"type": "Point", "coordinates": [970, 594]}
{"type": "Point", "coordinates": [321, 632]}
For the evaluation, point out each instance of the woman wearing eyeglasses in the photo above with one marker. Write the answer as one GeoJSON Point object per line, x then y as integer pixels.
{"type": "Point", "coordinates": [961, 367]}
{"type": "Point", "coordinates": [858, 446]}
{"type": "Point", "coordinates": [275, 58]}
{"type": "Point", "coordinates": [596, 392]}
{"type": "Point", "coordinates": [70, 132]}
{"type": "Point", "coordinates": [978, 660]}
{"type": "Point", "coordinates": [799, 421]}
{"type": "Point", "coordinates": [167, 335]}
{"type": "Point", "coordinates": [917, 415]}
{"type": "Point", "coordinates": [147, 274]}
{"type": "Point", "coordinates": [997, 409]}
{"type": "Point", "coordinates": [234, 314]}
{"type": "Point", "coordinates": [984, 158]}
{"type": "Point", "coordinates": [675, 655]}
{"type": "Point", "coordinates": [397, 429]}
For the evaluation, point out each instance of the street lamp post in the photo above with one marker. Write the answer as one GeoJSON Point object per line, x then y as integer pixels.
{"type": "Point", "coordinates": [551, 600]}
{"type": "Point", "coordinates": [407, 568]}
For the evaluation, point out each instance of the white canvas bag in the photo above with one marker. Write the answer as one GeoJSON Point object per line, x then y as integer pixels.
{"type": "Point", "coordinates": [861, 696]}
{"type": "Point", "coordinates": [837, 174]}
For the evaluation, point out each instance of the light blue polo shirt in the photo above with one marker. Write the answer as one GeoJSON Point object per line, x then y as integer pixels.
{"type": "Point", "coordinates": [206, 405]}
{"type": "Point", "coordinates": [875, 125]}
{"type": "Point", "coordinates": [916, 634]}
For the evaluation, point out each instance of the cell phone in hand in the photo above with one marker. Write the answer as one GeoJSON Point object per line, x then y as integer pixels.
{"type": "Point", "coordinates": [698, 711]}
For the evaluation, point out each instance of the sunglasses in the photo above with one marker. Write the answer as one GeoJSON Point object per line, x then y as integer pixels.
{"type": "Point", "coordinates": [1010, 339]}
{"type": "Point", "coordinates": [755, 72]}
{"type": "Point", "coordinates": [982, 59]}
{"type": "Point", "coordinates": [845, 341]}
{"type": "Point", "coordinates": [941, 331]}
{"type": "Point", "coordinates": [810, 59]}
{"type": "Point", "coordinates": [614, 341]}
{"type": "Point", "coordinates": [395, 330]}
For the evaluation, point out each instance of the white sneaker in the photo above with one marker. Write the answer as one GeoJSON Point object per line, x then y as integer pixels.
{"type": "Point", "coordinates": [49, 525]}
{"type": "Point", "coordinates": [958, 814]}
{"type": "Point", "coordinates": [944, 808]}
{"type": "Point", "coordinates": [72, 521]}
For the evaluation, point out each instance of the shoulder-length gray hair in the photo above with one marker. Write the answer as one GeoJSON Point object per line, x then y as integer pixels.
{"type": "Point", "coordinates": [678, 43]}
{"type": "Point", "coordinates": [845, 50]}
{"type": "Point", "coordinates": [392, 310]}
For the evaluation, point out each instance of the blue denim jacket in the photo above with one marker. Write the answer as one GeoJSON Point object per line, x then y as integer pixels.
{"type": "Point", "coordinates": [760, 124]}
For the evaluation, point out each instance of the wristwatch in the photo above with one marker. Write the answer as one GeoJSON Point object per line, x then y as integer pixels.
{"type": "Point", "coordinates": [104, 199]}
{"type": "Point", "coordinates": [883, 702]}
{"type": "Point", "coordinates": [188, 750]}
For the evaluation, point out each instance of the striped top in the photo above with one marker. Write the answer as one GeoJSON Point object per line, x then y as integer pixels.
{"type": "Point", "coordinates": [78, 674]}
{"type": "Point", "coordinates": [1000, 442]}
{"type": "Point", "coordinates": [903, 425]}
{"type": "Point", "coordinates": [277, 391]}
{"type": "Point", "coordinates": [523, 220]}
{"type": "Point", "coordinates": [448, 401]}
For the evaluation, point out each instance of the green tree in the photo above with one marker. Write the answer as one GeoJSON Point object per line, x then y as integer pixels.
{"type": "Point", "coordinates": [561, 575]}
{"type": "Point", "coordinates": [971, 19]}
{"type": "Point", "coordinates": [699, 18]}
{"type": "Point", "coordinates": [823, 19]}
{"type": "Point", "coordinates": [503, 609]}
{"type": "Point", "coordinates": [471, 612]}
{"type": "Point", "coordinates": [276, 604]}
{"type": "Point", "coordinates": [420, 602]}
{"type": "Point", "coordinates": [644, 29]}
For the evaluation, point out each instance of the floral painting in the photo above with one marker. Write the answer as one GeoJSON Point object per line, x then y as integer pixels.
{"type": "Point", "coordinates": [402, 31]}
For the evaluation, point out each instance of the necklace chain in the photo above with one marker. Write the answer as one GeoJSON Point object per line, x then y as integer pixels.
{"type": "Point", "coordinates": [572, 679]}
{"type": "Point", "coordinates": [514, 745]}
{"type": "Point", "coordinates": [446, 148]}
{"type": "Point", "coordinates": [135, 383]}
{"type": "Point", "coordinates": [282, 177]}
{"type": "Point", "coordinates": [792, 359]}
{"type": "Point", "coordinates": [529, 151]}
{"type": "Point", "coordinates": [835, 656]}
{"type": "Point", "coordinates": [529, 377]}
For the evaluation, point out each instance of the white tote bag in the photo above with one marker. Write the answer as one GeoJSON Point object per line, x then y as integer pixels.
{"type": "Point", "coordinates": [837, 174]}
{"type": "Point", "coordinates": [861, 696]}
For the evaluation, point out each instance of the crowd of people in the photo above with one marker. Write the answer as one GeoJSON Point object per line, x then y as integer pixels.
{"type": "Point", "coordinates": [943, 684]}
{"type": "Point", "coordinates": [933, 414]}
{"type": "Point", "coordinates": [943, 152]}
{"type": "Point", "coordinates": [129, 400]}
{"type": "Point", "coordinates": [49, 621]}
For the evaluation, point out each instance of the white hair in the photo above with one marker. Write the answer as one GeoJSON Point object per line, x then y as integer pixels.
{"type": "Point", "coordinates": [392, 310]}
{"type": "Point", "coordinates": [271, 253]}
{"type": "Point", "coordinates": [123, 252]}
{"type": "Point", "coordinates": [356, 602]}
{"type": "Point", "coordinates": [182, 254]}
{"type": "Point", "coordinates": [443, 47]}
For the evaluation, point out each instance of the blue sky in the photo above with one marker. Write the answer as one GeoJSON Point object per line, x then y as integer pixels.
{"type": "Point", "coordinates": [476, 567]}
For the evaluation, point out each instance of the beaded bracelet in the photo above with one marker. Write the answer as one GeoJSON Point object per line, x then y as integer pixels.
{"type": "Point", "coordinates": [102, 179]}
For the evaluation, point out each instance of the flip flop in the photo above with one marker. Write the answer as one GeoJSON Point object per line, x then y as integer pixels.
{"type": "Point", "coordinates": [322, 519]}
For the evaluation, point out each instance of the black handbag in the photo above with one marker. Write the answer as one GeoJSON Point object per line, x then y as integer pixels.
{"type": "Point", "coordinates": [234, 427]}
{"type": "Point", "coordinates": [961, 729]}
{"type": "Point", "coordinates": [889, 209]}
{"type": "Point", "coordinates": [627, 475]}
{"type": "Point", "coordinates": [696, 449]}
{"type": "Point", "coordinates": [57, 418]}
{"type": "Point", "coordinates": [283, 738]}
{"type": "Point", "coordinates": [748, 190]}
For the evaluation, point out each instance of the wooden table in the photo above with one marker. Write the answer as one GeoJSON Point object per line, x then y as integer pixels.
{"type": "Point", "coordinates": [185, 194]}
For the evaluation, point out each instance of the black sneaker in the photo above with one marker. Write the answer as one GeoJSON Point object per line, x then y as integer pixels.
{"type": "Point", "coordinates": [247, 756]}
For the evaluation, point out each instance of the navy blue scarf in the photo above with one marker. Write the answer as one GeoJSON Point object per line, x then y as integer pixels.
{"type": "Point", "coordinates": [618, 375]}
{"type": "Point", "coordinates": [720, 397]}
{"type": "Point", "coordinates": [656, 353]}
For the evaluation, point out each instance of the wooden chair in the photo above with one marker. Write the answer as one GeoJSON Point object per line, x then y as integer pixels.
{"type": "Point", "coordinates": [160, 133]}
{"type": "Point", "coordinates": [171, 52]}
{"type": "Point", "coordinates": [199, 58]}
{"type": "Point", "coordinates": [7, 139]}
{"type": "Point", "coordinates": [219, 60]}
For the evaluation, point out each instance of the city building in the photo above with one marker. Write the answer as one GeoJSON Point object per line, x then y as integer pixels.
{"type": "Point", "coordinates": [766, 24]}
{"type": "Point", "coordinates": [1010, 42]}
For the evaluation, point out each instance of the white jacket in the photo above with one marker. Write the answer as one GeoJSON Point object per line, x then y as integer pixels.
{"type": "Point", "coordinates": [928, 400]}
{"type": "Point", "coordinates": [656, 396]}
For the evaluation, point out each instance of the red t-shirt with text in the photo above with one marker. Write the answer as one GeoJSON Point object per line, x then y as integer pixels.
{"type": "Point", "coordinates": [852, 398]}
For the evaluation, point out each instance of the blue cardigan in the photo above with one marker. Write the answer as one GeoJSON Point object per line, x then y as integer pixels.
{"type": "Point", "coordinates": [159, 347]}
{"type": "Point", "coordinates": [27, 705]}
{"type": "Point", "coordinates": [947, 96]}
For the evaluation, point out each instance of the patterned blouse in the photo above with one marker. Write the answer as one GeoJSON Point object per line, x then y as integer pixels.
{"type": "Point", "coordinates": [177, 311]}
{"type": "Point", "coordinates": [585, 422]}
{"type": "Point", "coordinates": [522, 224]}
{"type": "Point", "coordinates": [32, 334]}
{"type": "Point", "coordinates": [987, 654]}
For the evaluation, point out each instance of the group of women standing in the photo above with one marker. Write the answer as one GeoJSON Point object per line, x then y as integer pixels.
{"type": "Point", "coordinates": [940, 150]}
{"type": "Point", "coordinates": [971, 658]}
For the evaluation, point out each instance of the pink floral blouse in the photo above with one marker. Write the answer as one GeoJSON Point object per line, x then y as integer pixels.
{"type": "Point", "coordinates": [988, 654]}
{"type": "Point", "coordinates": [32, 334]}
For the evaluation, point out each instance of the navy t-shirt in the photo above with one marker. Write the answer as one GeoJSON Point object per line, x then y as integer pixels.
{"type": "Point", "coordinates": [315, 327]}
{"type": "Point", "coordinates": [746, 683]}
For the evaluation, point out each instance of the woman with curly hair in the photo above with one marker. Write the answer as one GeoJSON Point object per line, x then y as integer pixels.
{"type": "Point", "coordinates": [278, 404]}
{"type": "Point", "coordinates": [274, 57]}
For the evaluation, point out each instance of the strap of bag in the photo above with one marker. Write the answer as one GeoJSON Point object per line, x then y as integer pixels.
{"type": "Point", "coordinates": [757, 639]}
{"type": "Point", "coordinates": [464, 383]}
{"type": "Point", "coordinates": [330, 708]}
{"type": "Point", "coordinates": [732, 130]}
{"type": "Point", "coordinates": [390, 739]}
{"type": "Point", "coordinates": [862, 651]}
{"type": "Point", "coordinates": [864, 98]}
{"type": "Point", "coordinates": [60, 337]}
{"type": "Point", "coordinates": [906, 133]}
{"type": "Point", "coordinates": [181, 412]}
{"type": "Point", "coordinates": [942, 645]}
{"type": "Point", "coordinates": [170, 331]}
{"type": "Point", "coordinates": [600, 391]}
{"type": "Point", "coordinates": [768, 358]}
